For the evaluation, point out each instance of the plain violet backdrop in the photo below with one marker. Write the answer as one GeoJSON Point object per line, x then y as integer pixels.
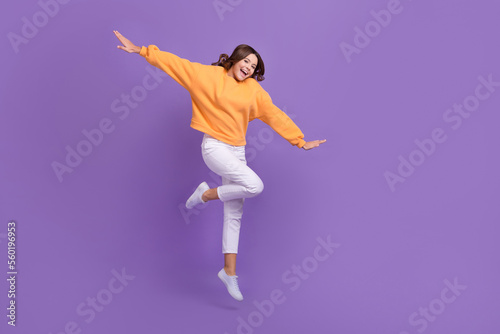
{"type": "Point", "coordinates": [391, 226]}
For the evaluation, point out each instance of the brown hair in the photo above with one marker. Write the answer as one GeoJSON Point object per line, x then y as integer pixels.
{"type": "Point", "coordinates": [238, 54]}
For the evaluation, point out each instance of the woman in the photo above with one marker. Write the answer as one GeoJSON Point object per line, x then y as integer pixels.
{"type": "Point", "coordinates": [225, 98]}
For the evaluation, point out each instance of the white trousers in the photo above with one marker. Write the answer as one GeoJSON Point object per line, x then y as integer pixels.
{"type": "Point", "coordinates": [238, 182]}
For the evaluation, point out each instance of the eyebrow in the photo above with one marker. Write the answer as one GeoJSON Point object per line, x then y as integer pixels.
{"type": "Point", "coordinates": [250, 62]}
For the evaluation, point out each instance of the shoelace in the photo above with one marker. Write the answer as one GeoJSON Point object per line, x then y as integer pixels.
{"type": "Point", "coordinates": [235, 282]}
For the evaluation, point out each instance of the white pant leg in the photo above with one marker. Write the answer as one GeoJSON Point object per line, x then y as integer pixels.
{"type": "Point", "coordinates": [233, 211]}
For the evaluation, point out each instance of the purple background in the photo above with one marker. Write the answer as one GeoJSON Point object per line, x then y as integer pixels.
{"type": "Point", "coordinates": [120, 207]}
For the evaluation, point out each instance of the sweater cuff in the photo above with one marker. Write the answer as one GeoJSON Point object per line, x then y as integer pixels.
{"type": "Point", "coordinates": [143, 51]}
{"type": "Point", "coordinates": [301, 143]}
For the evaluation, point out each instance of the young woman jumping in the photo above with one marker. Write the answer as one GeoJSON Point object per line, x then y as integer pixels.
{"type": "Point", "coordinates": [225, 97]}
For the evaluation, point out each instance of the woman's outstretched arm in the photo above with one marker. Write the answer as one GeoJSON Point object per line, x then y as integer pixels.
{"type": "Point", "coordinates": [280, 122]}
{"type": "Point", "coordinates": [181, 70]}
{"type": "Point", "coordinates": [128, 46]}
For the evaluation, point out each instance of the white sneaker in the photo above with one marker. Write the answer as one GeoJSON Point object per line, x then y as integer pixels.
{"type": "Point", "coordinates": [196, 196]}
{"type": "Point", "coordinates": [231, 283]}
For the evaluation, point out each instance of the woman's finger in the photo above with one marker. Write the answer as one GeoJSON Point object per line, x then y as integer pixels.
{"type": "Point", "coordinates": [120, 37]}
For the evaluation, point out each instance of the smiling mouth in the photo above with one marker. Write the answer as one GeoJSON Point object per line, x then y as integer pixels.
{"type": "Point", "coordinates": [244, 74]}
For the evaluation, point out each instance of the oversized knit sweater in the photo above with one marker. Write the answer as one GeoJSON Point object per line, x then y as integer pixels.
{"type": "Point", "coordinates": [223, 106]}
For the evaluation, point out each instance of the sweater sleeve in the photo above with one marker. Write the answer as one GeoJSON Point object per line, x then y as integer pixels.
{"type": "Point", "coordinates": [270, 114]}
{"type": "Point", "coordinates": [181, 70]}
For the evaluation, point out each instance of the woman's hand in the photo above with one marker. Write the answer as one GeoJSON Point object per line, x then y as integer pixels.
{"type": "Point", "coordinates": [312, 144]}
{"type": "Point", "coordinates": [128, 46]}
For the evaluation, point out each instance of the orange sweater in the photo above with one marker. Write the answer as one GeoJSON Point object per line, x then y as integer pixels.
{"type": "Point", "coordinates": [223, 106]}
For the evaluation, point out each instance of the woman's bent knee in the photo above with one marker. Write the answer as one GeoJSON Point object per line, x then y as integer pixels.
{"type": "Point", "coordinates": [256, 187]}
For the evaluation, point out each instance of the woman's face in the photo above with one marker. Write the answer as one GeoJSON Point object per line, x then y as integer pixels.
{"type": "Point", "coordinates": [244, 68]}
